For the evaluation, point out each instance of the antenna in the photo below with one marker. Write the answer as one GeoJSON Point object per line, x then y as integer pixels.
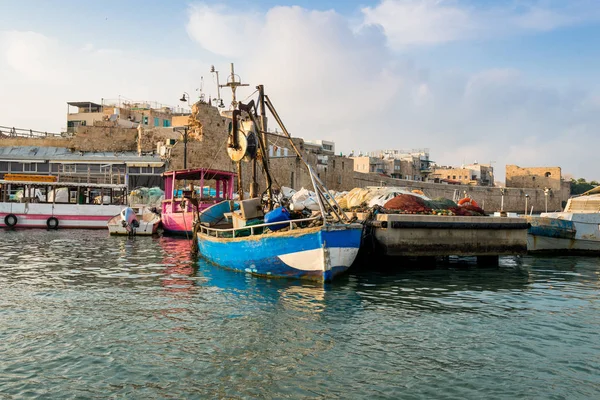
{"type": "Point", "coordinates": [219, 101]}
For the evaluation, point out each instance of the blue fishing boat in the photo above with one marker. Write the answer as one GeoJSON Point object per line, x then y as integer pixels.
{"type": "Point", "coordinates": [256, 236]}
{"type": "Point", "coordinates": [318, 253]}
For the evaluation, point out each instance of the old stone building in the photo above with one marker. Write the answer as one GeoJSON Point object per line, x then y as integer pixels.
{"type": "Point", "coordinates": [533, 177]}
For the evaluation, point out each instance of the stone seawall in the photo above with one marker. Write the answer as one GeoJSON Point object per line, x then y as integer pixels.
{"type": "Point", "coordinates": [488, 198]}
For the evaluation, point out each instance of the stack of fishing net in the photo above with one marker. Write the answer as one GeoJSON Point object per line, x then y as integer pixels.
{"type": "Point", "coordinates": [411, 204]}
{"type": "Point", "coordinates": [151, 197]}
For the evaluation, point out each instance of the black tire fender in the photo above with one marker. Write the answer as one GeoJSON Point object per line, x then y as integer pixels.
{"type": "Point", "coordinates": [10, 220]}
{"type": "Point", "coordinates": [52, 223]}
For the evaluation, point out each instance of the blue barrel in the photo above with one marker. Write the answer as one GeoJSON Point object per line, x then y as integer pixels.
{"type": "Point", "coordinates": [278, 214]}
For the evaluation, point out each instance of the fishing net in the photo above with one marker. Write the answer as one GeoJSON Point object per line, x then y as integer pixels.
{"type": "Point", "coordinates": [440, 203]}
{"type": "Point", "coordinates": [152, 197]}
{"type": "Point", "coordinates": [407, 203]}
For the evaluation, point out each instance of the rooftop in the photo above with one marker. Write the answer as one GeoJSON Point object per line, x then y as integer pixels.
{"type": "Point", "coordinates": [61, 154]}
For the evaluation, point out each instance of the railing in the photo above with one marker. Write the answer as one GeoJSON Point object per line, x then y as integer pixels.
{"type": "Point", "coordinates": [206, 230]}
{"type": "Point", "coordinates": [18, 132]}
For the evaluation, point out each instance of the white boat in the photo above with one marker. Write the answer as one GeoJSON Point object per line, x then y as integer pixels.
{"type": "Point", "coordinates": [42, 202]}
{"type": "Point", "coordinates": [131, 223]}
{"type": "Point", "coordinates": [574, 230]}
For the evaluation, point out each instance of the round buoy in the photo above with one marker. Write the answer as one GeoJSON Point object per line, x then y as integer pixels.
{"type": "Point", "coordinates": [468, 200]}
{"type": "Point", "coordinates": [52, 223]}
{"type": "Point", "coordinates": [10, 220]}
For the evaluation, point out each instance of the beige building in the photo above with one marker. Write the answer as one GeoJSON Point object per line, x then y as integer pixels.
{"type": "Point", "coordinates": [127, 114]}
{"type": "Point", "coordinates": [411, 165]}
{"type": "Point", "coordinates": [473, 174]}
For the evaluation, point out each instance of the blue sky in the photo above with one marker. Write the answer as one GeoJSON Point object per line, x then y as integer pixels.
{"type": "Point", "coordinates": [516, 81]}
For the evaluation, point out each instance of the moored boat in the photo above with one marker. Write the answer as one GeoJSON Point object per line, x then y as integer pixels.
{"type": "Point", "coordinates": [318, 253]}
{"type": "Point", "coordinates": [254, 235]}
{"type": "Point", "coordinates": [183, 200]}
{"type": "Point", "coordinates": [131, 223]}
{"type": "Point", "coordinates": [44, 202]}
{"type": "Point", "coordinates": [574, 230]}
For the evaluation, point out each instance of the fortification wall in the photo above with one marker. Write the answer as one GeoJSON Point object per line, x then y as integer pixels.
{"type": "Point", "coordinates": [489, 198]}
{"type": "Point", "coordinates": [533, 177]}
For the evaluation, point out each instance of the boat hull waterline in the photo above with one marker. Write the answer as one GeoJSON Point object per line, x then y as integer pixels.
{"type": "Point", "coordinates": [36, 215]}
{"type": "Point", "coordinates": [316, 254]}
{"type": "Point", "coordinates": [564, 232]}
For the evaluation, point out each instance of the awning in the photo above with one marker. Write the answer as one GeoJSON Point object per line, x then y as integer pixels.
{"type": "Point", "coordinates": [144, 164]}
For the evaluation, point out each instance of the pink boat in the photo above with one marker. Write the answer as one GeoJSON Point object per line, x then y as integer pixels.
{"type": "Point", "coordinates": [185, 188]}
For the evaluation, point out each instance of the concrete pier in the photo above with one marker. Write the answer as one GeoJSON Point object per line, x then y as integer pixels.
{"type": "Point", "coordinates": [438, 236]}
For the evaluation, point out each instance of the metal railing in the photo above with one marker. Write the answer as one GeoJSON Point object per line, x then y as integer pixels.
{"type": "Point", "coordinates": [207, 230]}
{"type": "Point", "coordinates": [19, 132]}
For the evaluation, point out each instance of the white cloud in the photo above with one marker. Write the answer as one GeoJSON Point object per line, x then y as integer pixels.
{"type": "Point", "coordinates": [40, 75]}
{"type": "Point", "coordinates": [430, 22]}
{"type": "Point", "coordinates": [420, 22]}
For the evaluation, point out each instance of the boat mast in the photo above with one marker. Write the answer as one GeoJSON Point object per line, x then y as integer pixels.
{"type": "Point", "coordinates": [265, 142]}
{"type": "Point", "coordinates": [232, 83]}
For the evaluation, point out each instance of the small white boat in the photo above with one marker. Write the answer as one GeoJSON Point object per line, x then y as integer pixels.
{"type": "Point", "coordinates": [575, 230]}
{"type": "Point", "coordinates": [128, 222]}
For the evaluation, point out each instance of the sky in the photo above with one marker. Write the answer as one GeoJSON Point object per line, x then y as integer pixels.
{"type": "Point", "coordinates": [488, 81]}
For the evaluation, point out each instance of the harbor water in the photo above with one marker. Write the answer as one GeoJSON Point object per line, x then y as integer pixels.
{"type": "Point", "coordinates": [85, 315]}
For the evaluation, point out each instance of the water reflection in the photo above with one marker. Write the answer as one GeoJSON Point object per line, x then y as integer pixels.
{"type": "Point", "coordinates": [180, 269]}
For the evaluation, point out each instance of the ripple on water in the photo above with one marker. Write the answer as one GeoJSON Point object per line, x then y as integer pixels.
{"type": "Point", "coordinates": [88, 315]}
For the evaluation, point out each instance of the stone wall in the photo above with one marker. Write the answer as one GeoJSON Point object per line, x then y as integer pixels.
{"type": "Point", "coordinates": [489, 198]}
{"type": "Point", "coordinates": [105, 136]}
{"type": "Point", "coordinates": [40, 142]}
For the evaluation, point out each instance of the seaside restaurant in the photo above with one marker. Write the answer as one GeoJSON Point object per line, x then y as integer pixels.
{"type": "Point", "coordinates": [123, 168]}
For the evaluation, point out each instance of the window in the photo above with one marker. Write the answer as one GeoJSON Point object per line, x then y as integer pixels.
{"type": "Point", "coordinates": [4, 166]}
{"type": "Point", "coordinates": [30, 167]}
{"type": "Point", "coordinates": [43, 167]}
{"type": "Point", "coordinates": [146, 170]}
{"type": "Point", "coordinates": [547, 174]}
{"type": "Point", "coordinates": [81, 168]}
{"type": "Point", "coordinates": [453, 176]}
{"type": "Point", "coordinates": [94, 168]}
{"type": "Point", "coordinates": [16, 167]}
{"type": "Point", "coordinates": [145, 120]}
{"type": "Point", "coordinates": [159, 170]}
{"type": "Point", "coordinates": [134, 170]}
{"type": "Point", "coordinates": [166, 123]}
{"type": "Point", "coordinates": [156, 121]}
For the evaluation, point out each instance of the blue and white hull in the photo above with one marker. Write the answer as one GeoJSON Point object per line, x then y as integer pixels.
{"type": "Point", "coordinates": [318, 254]}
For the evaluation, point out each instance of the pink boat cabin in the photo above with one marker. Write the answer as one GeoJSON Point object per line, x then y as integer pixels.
{"type": "Point", "coordinates": [186, 188]}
